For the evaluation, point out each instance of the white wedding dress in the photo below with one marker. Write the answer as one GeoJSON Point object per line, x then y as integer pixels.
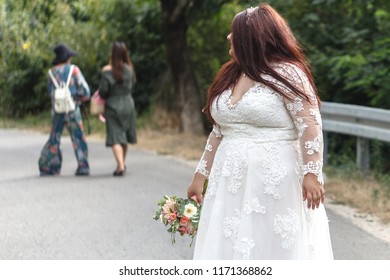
{"type": "Point", "coordinates": [255, 160]}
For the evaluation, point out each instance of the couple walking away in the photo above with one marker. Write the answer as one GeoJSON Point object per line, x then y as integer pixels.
{"type": "Point", "coordinates": [116, 84]}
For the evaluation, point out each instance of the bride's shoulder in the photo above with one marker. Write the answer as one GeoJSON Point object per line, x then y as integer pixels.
{"type": "Point", "coordinates": [291, 72]}
{"type": "Point", "coordinates": [288, 69]}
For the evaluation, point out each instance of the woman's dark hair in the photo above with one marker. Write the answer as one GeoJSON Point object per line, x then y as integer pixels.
{"type": "Point", "coordinates": [119, 57]}
{"type": "Point", "coordinates": [260, 37]}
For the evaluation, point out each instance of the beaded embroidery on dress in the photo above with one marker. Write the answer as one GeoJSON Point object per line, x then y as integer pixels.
{"type": "Point", "coordinates": [255, 160]}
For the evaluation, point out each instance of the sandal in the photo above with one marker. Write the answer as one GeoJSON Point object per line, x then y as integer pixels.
{"type": "Point", "coordinates": [82, 172]}
{"type": "Point", "coordinates": [119, 173]}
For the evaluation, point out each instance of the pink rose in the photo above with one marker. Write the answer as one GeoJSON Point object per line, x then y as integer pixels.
{"type": "Point", "coordinates": [182, 230]}
{"type": "Point", "coordinates": [172, 216]}
{"type": "Point", "coordinates": [184, 221]}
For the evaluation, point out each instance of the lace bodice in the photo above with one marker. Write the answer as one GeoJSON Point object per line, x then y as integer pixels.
{"type": "Point", "coordinates": [263, 115]}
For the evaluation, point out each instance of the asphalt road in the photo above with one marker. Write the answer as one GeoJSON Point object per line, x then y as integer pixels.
{"type": "Point", "coordinates": [101, 217]}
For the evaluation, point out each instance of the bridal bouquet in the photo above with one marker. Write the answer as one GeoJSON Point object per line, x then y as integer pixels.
{"type": "Point", "coordinates": [179, 215]}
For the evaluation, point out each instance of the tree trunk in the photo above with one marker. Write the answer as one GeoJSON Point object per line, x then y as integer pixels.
{"type": "Point", "coordinates": [185, 85]}
{"type": "Point", "coordinates": [165, 104]}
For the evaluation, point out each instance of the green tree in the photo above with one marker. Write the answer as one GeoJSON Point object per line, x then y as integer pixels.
{"type": "Point", "coordinates": [186, 99]}
{"type": "Point", "coordinates": [29, 31]}
{"type": "Point", "coordinates": [138, 24]}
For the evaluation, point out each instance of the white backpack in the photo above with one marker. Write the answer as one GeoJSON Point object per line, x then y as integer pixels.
{"type": "Point", "coordinates": [63, 101]}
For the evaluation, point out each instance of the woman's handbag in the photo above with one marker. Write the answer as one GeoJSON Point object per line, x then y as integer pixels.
{"type": "Point", "coordinates": [97, 104]}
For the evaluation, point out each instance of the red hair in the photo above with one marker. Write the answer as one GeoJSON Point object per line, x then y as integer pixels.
{"type": "Point", "coordinates": [260, 37]}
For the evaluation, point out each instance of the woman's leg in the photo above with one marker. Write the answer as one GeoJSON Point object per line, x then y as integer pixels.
{"type": "Point", "coordinates": [80, 147]}
{"type": "Point", "coordinates": [50, 160]}
{"type": "Point", "coordinates": [124, 147]}
{"type": "Point", "coordinates": [119, 155]}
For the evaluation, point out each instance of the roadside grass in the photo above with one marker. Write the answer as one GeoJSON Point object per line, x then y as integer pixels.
{"type": "Point", "coordinates": [39, 122]}
{"type": "Point", "coordinates": [368, 193]}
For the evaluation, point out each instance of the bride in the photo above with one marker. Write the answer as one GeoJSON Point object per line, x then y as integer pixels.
{"type": "Point", "coordinates": [263, 158]}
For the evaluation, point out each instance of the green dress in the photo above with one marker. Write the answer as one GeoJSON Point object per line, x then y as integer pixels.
{"type": "Point", "coordinates": [119, 108]}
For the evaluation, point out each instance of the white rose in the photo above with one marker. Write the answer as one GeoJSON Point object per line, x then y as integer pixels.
{"type": "Point", "coordinates": [190, 210]}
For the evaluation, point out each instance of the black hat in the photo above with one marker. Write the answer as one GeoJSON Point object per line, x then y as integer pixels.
{"type": "Point", "coordinates": [63, 53]}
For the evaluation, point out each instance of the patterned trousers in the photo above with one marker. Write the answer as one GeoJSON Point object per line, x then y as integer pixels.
{"type": "Point", "coordinates": [50, 160]}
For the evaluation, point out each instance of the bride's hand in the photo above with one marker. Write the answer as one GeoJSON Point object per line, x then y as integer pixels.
{"type": "Point", "coordinates": [313, 191]}
{"type": "Point", "coordinates": [196, 188]}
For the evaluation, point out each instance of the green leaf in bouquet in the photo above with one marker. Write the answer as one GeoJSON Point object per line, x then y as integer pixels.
{"type": "Point", "coordinates": [180, 204]}
{"type": "Point", "coordinates": [205, 184]}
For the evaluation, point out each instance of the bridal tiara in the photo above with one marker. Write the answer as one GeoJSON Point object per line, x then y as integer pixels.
{"type": "Point", "coordinates": [249, 13]}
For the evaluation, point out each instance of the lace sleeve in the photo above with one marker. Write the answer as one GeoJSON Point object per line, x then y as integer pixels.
{"type": "Point", "coordinates": [307, 119]}
{"type": "Point", "coordinates": [206, 161]}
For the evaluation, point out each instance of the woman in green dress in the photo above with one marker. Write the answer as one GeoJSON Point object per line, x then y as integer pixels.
{"type": "Point", "coordinates": [118, 79]}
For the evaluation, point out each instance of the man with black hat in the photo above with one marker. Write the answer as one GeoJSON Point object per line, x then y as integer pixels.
{"type": "Point", "coordinates": [65, 73]}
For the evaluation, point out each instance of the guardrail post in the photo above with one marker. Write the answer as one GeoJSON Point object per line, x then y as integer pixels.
{"type": "Point", "coordinates": [363, 153]}
{"type": "Point", "coordinates": [325, 156]}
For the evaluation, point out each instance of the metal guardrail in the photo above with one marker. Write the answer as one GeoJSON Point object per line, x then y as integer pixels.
{"type": "Point", "coordinates": [363, 122]}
